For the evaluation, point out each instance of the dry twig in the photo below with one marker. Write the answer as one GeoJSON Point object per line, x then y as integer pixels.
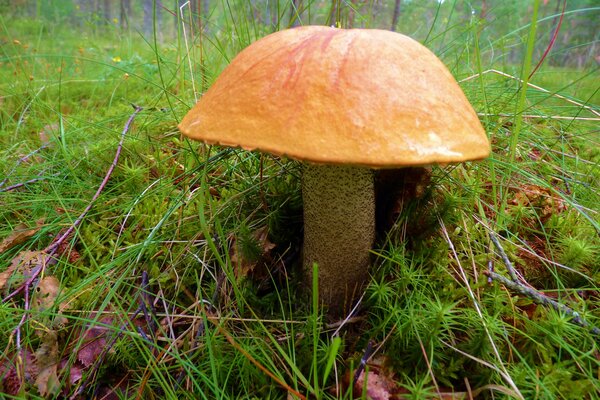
{"type": "Point", "coordinates": [517, 286]}
{"type": "Point", "coordinates": [47, 255]}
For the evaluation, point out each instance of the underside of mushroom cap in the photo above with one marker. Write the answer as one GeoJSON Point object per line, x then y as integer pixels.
{"type": "Point", "coordinates": [335, 96]}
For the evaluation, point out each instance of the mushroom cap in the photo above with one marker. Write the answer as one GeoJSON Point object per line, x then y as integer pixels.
{"type": "Point", "coordinates": [340, 96]}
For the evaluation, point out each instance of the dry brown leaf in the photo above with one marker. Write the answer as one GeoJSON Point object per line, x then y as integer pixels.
{"type": "Point", "coordinates": [541, 198]}
{"type": "Point", "coordinates": [21, 266]}
{"type": "Point", "coordinates": [75, 370]}
{"type": "Point", "coordinates": [46, 293]}
{"type": "Point", "coordinates": [20, 234]}
{"type": "Point", "coordinates": [47, 132]}
{"type": "Point", "coordinates": [380, 382]}
{"type": "Point", "coordinates": [65, 249]}
{"type": "Point", "coordinates": [44, 298]}
{"type": "Point", "coordinates": [14, 371]}
{"type": "Point", "coordinates": [380, 385]}
{"type": "Point", "coordinates": [75, 373]}
{"type": "Point", "coordinates": [47, 381]}
{"type": "Point", "coordinates": [244, 267]}
{"type": "Point", "coordinates": [94, 342]}
{"type": "Point", "coordinates": [5, 275]}
{"type": "Point", "coordinates": [46, 355]}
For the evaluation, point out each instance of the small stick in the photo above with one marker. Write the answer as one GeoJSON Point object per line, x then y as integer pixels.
{"type": "Point", "coordinates": [490, 263]}
{"type": "Point", "coordinates": [52, 248]}
{"type": "Point", "coordinates": [543, 300]}
{"type": "Point", "coordinates": [20, 161]}
{"type": "Point", "coordinates": [21, 184]}
{"type": "Point", "coordinates": [232, 342]}
{"type": "Point", "coordinates": [145, 303]}
{"type": "Point", "coordinates": [49, 251]}
{"type": "Point", "coordinates": [530, 292]}
{"type": "Point", "coordinates": [363, 362]}
{"type": "Point", "coordinates": [509, 266]}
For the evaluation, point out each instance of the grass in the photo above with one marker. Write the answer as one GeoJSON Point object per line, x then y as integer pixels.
{"type": "Point", "coordinates": [168, 288]}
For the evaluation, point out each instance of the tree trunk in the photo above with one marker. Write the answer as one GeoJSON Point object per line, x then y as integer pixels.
{"type": "Point", "coordinates": [148, 24]}
{"type": "Point", "coordinates": [106, 11]}
{"type": "Point", "coordinates": [125, 13]}
{"type": "Point", "coordinates": [396, 15]}
{"type": "Point", "coordinates": [199, 10]}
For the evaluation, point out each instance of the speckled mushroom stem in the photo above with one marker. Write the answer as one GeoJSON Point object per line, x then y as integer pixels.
{"type": "Point", "coordinates": [339, 230]}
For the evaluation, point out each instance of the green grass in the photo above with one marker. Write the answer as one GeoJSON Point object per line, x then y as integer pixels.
{"type": "Point", "coordinates": [225, 316]}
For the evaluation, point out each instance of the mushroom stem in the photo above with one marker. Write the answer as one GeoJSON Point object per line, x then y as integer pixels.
{"type": "Point", "coordinates": [339, 230]}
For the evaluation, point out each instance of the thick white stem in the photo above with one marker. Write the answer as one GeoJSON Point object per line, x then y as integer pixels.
{"type": "Point", "coordinates": [339, 230]}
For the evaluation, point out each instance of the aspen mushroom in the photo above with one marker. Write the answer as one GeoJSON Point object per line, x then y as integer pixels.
{"type": "Point", "coordinates": [345, 102]}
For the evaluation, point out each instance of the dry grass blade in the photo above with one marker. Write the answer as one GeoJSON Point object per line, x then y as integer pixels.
{"type": "Point", "coordinates": [239, 348]}
{"type": "Point", "coordinates": [504, 74]}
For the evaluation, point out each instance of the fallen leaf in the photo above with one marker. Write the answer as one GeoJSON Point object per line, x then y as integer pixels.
{"type": "Point", "coordinates": [245, 264]}
{"type": "Point", "coordinates": [46, 355]}
{"type": "Point", "coordinates": [379, 383]}
{"type": "Point", "coordinates": [94, 341]}
{"type": "Point", "coordinates": [72, 254]}
{"type": "Point", "coordinates": [44, 298]}
{"type": "Point", "coordinates": [20, 234]}
{"type": "Point", "coordinates": [75, 370]}
{"type": "Point", "coordinates": [21, 266]}
{"type": "Point", "coordinates": [379, 387]}
{"type": "Point", "coordinates": [75, 373]}
{"type": "Point", "coordinates": [47, 132]}
{"type": "Point", "coordinates": [47, 381]}
{"type": "Point", "coordinates": [45, 294]}
{"type": "Point", "coordinates": [540, 198]}
{"type": "Point", "coordinates": [15, 371]}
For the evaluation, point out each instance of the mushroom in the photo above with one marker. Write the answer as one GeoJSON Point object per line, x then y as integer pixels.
{"type": "Point", "coordinates": [345, 102]}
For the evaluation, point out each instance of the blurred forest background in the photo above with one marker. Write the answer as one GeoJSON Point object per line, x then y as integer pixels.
{"type": "Point", "coordinates": [424, 20]}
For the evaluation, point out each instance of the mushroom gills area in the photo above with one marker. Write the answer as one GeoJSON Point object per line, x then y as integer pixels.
{"type": "Point", "coordinates": [339, 230]}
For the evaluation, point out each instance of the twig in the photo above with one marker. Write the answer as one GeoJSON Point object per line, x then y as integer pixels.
{"type": "Point", "coordinates": [52, 248]}
{"type": "Point", "coordinates": [523, 288]}
{"type": "Point", "coordinates": [249, 357]}
{"type": "Point", "coordinates": [490, 263]}
{"type": "Point", "coordinates": [544, 300]}
{"type": "Point", "coordinates": [49, 251]}
{"type": "Point", "coordinates": [509, 266]}
{"type": "Point", "coordinates": [20, 161]}
{"type": "Point", "coordinates": [145, 303]}
{"type": "Point", "coordinates": [21, 184]}
{"type": "Point", "coordinates": [143, 296]}
{"type": "Point", "coordinates": [363, 362]}
{"type": "Point", "coordinates": [349, 317]}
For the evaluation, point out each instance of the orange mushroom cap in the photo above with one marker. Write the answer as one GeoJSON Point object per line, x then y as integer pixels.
{"type": "Point", "coordinates": [340, 96]}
